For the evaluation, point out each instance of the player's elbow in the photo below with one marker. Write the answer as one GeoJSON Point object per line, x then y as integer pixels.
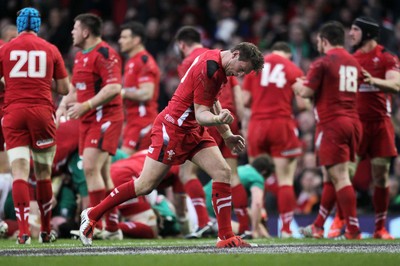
{"type": "Point", "coordinates": [63, 86]}
{"type": "Point", "coordinates": [114, 89]}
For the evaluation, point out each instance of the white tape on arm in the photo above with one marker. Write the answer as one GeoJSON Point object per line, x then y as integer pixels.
{"type": "Point", "coordinates": [227, 134]}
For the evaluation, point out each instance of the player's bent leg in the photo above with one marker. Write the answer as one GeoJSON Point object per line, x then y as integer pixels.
{"type": "Point", "coordinates": [380, 175]}
{"type": "Point", "coordinates": [19, 159]}
{"type": "Point", "coordinates": [111, 230]}
{"type": "Point", "coordinates": [93, 161]}
{"type": "Point", "coordinates": [195, 191]}
{"type": "Point", "coordinates": [239, 198]}
{"type": "Point", "coordinates": [284, 170]}
{"type": "Point", "coordinates": [151, 176]}
{"type": "Point", "coordinates": [43, 160]}
{"type": "Point", "coordinates": [211, 161]}
{"type": "Point", "coordinates": [346, 198]}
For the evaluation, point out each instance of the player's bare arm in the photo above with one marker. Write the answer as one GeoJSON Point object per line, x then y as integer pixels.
{"type": "Point", "coordinates": [239, 104]}
{"type": "Point", "coordinates": [63, 106]}
{"type": "Point", "coordinates": [391, 83]}
{"type": "Point", "coordinates": [235, 142]}
{"type": "Point", "coordinates": [62, 86]}
{"type": "Point", "coordinates": [205, 117]}
{"type": "Point", "coordinates": [256, 206]}
{"type": "Point", "coordinates": [144, 93]}
{"type": "Point", "coordinates": [302, 90]}
{"type": "Point", "coordinates": [246, 95]}
{"type": "Point", "coordinates": [303, 104]}
{"type": "Point", "coordinates": [106, 94]}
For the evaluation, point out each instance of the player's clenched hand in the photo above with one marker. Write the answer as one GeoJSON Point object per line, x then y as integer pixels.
{"type": "Point", "coordinates": [224, 117]}
{"type": "Point", "coordinates": [367, 77]}
{"type": "Point", "coordinates": [235, 143]}
{"type": "Point", "coordinates": [61, 113]}
{"type": "Point", "coordinates": [76, 110]}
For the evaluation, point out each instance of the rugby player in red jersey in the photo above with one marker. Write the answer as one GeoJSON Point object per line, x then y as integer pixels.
{"type": "Point", "coordinates": [333, 82]}
{"type": "Point", "coordinates": [272, 128]}
{"type": "Point", "coordinates": [141, 82]}
{"type": "Point", "coordinates": [179, 134]}
{"type": "Point", "coordinates": [29, 64]}
{"type": "Point", "coordinates": [95, 100]}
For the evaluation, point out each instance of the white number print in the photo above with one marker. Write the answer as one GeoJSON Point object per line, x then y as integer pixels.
{"type": "Point", "coordinates": [36, 64]}
{"type": "Point", "coordinates": [348, 78]}
{"type": "Point", "coordinates": [276, 75]}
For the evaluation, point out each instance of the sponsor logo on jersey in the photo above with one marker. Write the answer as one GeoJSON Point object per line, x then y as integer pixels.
{"type": "Point", "coordinates": [43, 142]}
{"type": "Point", "coordinates": [367, 88]}
{"type": "Point", "coordinates": [80, 86]}
{"type": "Point", "coordinates": [169, 119]}
{"type": "Point", "coordinates": [151, 149]}
{"type": "Point", "coordinates": [291, 152]}
{"type": "Point", "coordinates": [170, 154]}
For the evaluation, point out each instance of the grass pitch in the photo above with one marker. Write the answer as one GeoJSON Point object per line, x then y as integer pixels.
{"type": "Point", "coordinates": [202, 252]}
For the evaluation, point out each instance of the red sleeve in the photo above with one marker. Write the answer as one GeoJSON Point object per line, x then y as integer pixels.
{"type": "Point", "coordinates": [392, 62]}
{"type": "Point", "coordinates": [59, 67]}
{"type": "Point", "coordinates": [314, 75]}
{"type": "Point", "coordinates": [205, 88]}
{"type": "Point", "coordinates": [148, 73]}
{"type": "Point", "coordinates": [109, 68]}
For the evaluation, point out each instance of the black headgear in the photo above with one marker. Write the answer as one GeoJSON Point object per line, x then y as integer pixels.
{"type": "Point", "coordinates": [369, 28]}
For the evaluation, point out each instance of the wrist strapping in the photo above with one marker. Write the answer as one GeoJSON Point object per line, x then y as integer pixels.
{"type": "Point", "coordinates": [89, 103]}
{"type": "Point", "coordinates": [226, 134]}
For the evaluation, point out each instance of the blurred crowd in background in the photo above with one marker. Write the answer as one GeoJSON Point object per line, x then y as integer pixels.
{"type": "Point", "coordinates": [224, 23]}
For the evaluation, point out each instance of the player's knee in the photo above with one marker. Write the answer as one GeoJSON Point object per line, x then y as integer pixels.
{"type": "Point", "coordinates": [89, 169]}
{"type": "Point", "coordinates": [44, 157]}
{"type": "Point", "coordinates": [18, 153]}
{"type": "Point", "coordinates": [144, 188]}
{"type": "Point", "coordinates": [223, 174]}
{"type": "Point", "coordinates": [380, 162]}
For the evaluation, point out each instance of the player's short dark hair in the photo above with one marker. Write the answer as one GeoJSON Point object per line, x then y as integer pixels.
{"type": "Point", "coordinates": [281, 46]}
{"type": "Point", "coordinates": [188, 34]}
{"type": "Point", "coordinates": [250, 53]}
{"type": "Point", "coordinates": [333, 31]}
{"type": "Point", "coordinates": [136, 28]}
{"type": "Point", "coordinates": [264, 165]}
{"type": "Point", "coordinates": [91, 21]}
